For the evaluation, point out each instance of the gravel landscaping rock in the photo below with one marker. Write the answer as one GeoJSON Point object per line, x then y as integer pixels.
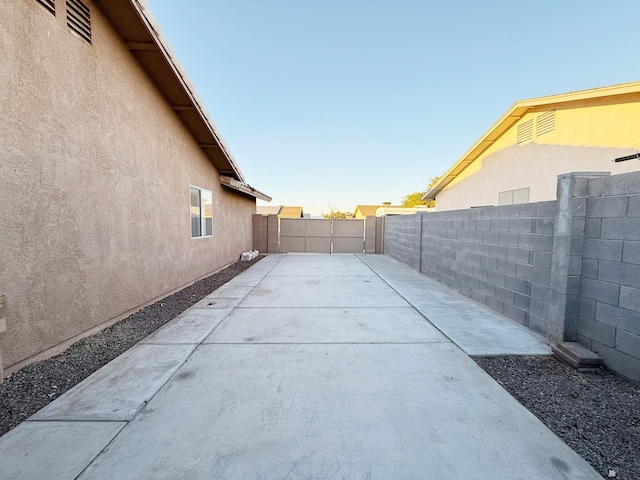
{"type": "Point", "coordinates": [597, 414]}
{"type": "Point", "coordinates": [34, 386]}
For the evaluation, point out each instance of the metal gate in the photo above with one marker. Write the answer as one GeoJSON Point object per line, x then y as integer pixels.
{"type": "Point", "coordinates": [306, 235]}
{"type": "Point", "coordinates": [273, 235]}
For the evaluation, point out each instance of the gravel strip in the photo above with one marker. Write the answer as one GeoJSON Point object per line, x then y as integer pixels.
{"type": "Point", "coordinates": [596, 414]}
{"type": "Point", "coordinates": [34, 386]}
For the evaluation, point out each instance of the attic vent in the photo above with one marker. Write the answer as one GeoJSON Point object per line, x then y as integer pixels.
{"type": "Point", "coordinates": [49, 5]}
{"type": "Point", "coordinates": [79, 19]}
{"type": "Point", "coordinates": [525, 131]}
{"type": "Point", "coordinates": [546, 122]}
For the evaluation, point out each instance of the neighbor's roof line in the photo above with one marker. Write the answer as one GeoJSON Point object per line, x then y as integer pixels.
{"type": "Point", "coordinates": [512, 116]}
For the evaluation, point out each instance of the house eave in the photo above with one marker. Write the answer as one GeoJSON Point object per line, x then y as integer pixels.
{"type": "Point", "coordinates": [241, 187]}
{"type": "Point", "coordinates": [135, 25]}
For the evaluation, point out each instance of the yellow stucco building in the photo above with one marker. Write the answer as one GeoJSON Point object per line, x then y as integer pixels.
{"type": "Point", "coordinates": [282, 211]}
{"type": "Point", "coordinates": [361, 211]}
{"type": "Point", "coordinates": [519, 158]}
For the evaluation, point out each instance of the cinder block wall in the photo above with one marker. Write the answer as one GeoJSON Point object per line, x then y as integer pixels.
{"type": "Point", "coordinates": [609, 311]}
{"type": "Point", "coordinates": [502, 257]}
{"type": "Point", "coordinates": [499, 256]}
{"type": "Point", "coordinates": [402, 239]}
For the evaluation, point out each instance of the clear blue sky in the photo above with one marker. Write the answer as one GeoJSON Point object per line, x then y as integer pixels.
{"type": "Point", "coordinates": [348, 102]}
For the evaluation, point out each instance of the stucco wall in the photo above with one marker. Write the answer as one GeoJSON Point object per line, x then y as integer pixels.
{"type": "Point", "coordinates": [96, 169]}
{"type": "Point", "coordinates": [532, 165]}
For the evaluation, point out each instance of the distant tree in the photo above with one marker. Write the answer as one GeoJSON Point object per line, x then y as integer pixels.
{"type": "Point", "coordinates": [334, 213]}
{"type": "Point", "coordinates": [413, 199]}
{"type": "Point", "coordinates": [432, 182]}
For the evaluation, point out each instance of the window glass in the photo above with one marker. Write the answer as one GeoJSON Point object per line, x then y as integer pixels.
{"type": "Point", "coordinates": [207, 212]}
{"type": "Point", "coordinates": [201, 212]}
{"type": "Point", "coordinates": [196, 222]}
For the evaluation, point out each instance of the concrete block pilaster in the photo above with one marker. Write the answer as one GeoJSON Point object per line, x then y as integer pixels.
{"type": "Point", "coordinates": [568, 239]}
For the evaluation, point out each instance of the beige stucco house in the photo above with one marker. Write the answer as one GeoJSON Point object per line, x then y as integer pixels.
{"type": "Point", "coordinates": [117, 188]}
{"type": "Point", "coordinates": [362, 211]}
{"type": "Point", "coordinates": [388, 210]}
{"type": "Point", "coordinates": [384, 209]}
{"type": "Point", "coordinates": [282, 211]}
{"type": "Point", "coordinates": [291, 212]}
{"type": "Point", "coordinates": [268, 209]}
{"type": "Point", "coordinates": [519, 158]}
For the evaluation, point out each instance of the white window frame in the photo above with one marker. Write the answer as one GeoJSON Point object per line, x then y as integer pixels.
{"type": "Point", "coordinates": [203, 192]}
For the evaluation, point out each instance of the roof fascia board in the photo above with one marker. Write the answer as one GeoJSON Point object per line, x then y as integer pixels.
{"type": "Point", "coordinates": [234, 184]}
{"type": "Point", "coordinates": [515, 113]}
{"type": "Point", "coordinates": [613, 90]}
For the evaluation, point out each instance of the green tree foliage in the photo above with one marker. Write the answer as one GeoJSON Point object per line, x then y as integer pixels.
{"type": "Point", "coordinates": [415, 198]}
{"type": "Point", "coordinates": [333, 213]}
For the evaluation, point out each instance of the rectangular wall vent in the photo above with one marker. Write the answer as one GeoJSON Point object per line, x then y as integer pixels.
{"type": "Point", "coordinates": [546, 122]}
{"type": "Point", "coordinates": [79, 19]}
{"type": "Point", "coordinates": [49, 5]}
{"type": "Point", "coordinates": [525, 131]}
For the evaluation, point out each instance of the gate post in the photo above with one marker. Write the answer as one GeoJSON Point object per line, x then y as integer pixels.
{"type": "Point", "coordinates": [259, 224]}
{"type": "Point", "coordinates": [332, 241]}
{"type": "Point", "coordinates": [272, 234]}
{"type": "Point", "coordinates": [420, 240]}
{"type": "Point", "coordinates": [380, 234]}
{"type": "Point", "coordinates": [370, 234]}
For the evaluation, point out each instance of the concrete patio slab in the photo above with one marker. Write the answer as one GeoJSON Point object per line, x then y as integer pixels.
{"type": "Point", "coordinates": [335, 411]}
{"type": "Point", "coordinates": [320, 269]}
{"type": "Point", "coordinates": [312, 291]}
{"type": "Point", "coordinates": [55, 450]}
{"type": "Point", "coordinates": [121, 388]}
{"type": "Point", "coordinates": [424, 291]}
{"type": "Point", "coordinates": [217, 303]}
{"type": "Point", "coordinates": [257, 272]}
{"type": "Point", "coordinates": [247, 280]}
{"type": "Point", "coordinates": [336, 258]}
{"type": "Point", "coordinates": [305, 264]}
{"type": "Point", "coordinates": [191, 326]}
{"type": "Point", "coordinates": [486, 334]}
{"type": "Point", "coordinates": [266, 263]}
{"type": "Point", "coordinates": [386, 266]}
{"type": "Point", "coordinates": [325, 325]}
{"type": "Point", "coordinates": [475, 328]}
{"type": "Point", "coordinates": [314, 376]}
{"type": "Point", "coordinates": [230, 291]}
